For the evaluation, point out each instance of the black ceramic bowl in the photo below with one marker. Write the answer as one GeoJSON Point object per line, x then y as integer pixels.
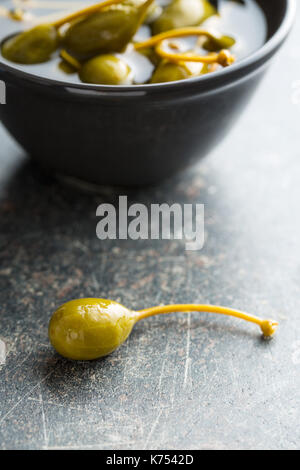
{"type": "Point", "coordinates": [134, 135]}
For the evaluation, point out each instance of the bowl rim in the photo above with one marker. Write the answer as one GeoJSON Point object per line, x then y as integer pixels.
{"type": "Point", "coordinates": [228, 74]}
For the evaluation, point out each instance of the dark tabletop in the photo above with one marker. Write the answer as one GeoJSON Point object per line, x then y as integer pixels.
{"type": "Point", "coordinates": [181, 381]}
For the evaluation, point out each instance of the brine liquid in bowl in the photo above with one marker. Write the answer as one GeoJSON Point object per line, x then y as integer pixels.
{"type": "Point", "coordinates": [242, 20]}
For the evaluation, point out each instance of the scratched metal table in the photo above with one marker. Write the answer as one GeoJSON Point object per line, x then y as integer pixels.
{"type": "Point", "coordinates": [181, 381]}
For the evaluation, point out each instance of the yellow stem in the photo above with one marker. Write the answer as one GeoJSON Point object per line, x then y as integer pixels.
{"type": "Point", "coordinates": [174, 33]}
{"type": "Point", "coordinates": [145, 6]}
{"type": "Point", "coordinates": [268, 327]}
{"type": "Point", "coordinates": [84, 12]}
{"type": "Point", "coordinates": [70, 59]}
{"type": "Point", "coordinates": [223, 57]}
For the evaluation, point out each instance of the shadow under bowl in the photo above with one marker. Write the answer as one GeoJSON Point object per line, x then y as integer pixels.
{"type": "Point", "coordinates": [140, 135]}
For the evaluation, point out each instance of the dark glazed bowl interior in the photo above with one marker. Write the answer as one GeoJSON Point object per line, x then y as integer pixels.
{"type": "Point", "coordinates": [134, 135]}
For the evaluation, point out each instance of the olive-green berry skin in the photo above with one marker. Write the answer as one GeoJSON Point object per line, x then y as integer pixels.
{"type": "Point", "coordinates": [34, 46]}
{"type": "Point", "coordinates": [106, 69]}
{"type": "Point", "coordinates": [87, 329]}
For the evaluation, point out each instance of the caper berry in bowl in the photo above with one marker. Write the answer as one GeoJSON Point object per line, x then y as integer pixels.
{"type": "Point", "coordinates": [129, 92]}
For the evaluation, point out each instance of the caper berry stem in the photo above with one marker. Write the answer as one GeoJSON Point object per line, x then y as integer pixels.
{"type": "Point", "coordinates": [174, 33]}
{"type": "Point", "coordinates": [268, 327]}
{"type": "Point", "coordinates": [85, 12]}
{"type": "Point", "coordinates": [70, 59]}
{"type": "Point", "coordinates": [144, 7]}
{"type": "Point", "coordinates": [223, 57]}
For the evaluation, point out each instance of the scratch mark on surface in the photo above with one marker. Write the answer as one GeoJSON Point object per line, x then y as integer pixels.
{"type": "Point", "coordinates": [98, 446]}
{"type": "Point", "coordinates": [153, 428]}
{"type": "Point", "coordinates": [187, 355]}
{"type": "Point", "coordinates": [235, 382]}
{"type": "Point", "coordinates": [162, 369]}
{"type": "Point", "coordinates": [126, 362]}
{"type": "Point", "coordinates": [52, 403]}
{"type": "Point", "coordinates": [43, 418]}
{"type": "Point", "coordinates": [96, 283]}
{"type": "Point", "coordinates": [2, 352]}
{"type": "Point", "coordinates": [172, 395]}
{"type": "Point", "coordinates": [19, 364]}
{"type": "Point", "coordinates": [25, 396]}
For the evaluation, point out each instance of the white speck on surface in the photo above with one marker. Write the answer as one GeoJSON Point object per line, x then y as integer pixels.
{"type": "Point", "coordinates": [2, 352]}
